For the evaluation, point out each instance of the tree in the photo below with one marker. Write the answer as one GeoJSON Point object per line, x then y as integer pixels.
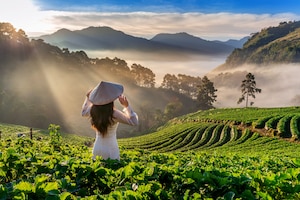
{"type": "Point", "coordinates": [182, 83]}
{"type": "Point", "coordinates": [143, 76]}
{"type": "Point", "coordinates": [188, 85]}
{"type": "Point", "coordinates": [172, 109]}
{"type": "Point", "coordinates": [170, 82]}
{"type": "Point", "coordinates": [248, 88]}
{"type": "Point", "coordinates": [206, 94]}
{"type": "Point", "coordinates": [7, 31]}
{"type": "Point", "coordinates": [116, 67]}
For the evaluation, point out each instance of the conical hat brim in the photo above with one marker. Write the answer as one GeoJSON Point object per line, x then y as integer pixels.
{"type": "Point", "coordinates": [105, 92]}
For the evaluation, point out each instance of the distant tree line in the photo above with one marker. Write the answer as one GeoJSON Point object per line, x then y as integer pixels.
{"type": "Point", "coordinates": [200, 89]}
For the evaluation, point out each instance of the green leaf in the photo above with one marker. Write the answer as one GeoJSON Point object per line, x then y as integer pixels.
{"type": "Point", "coordinates": [186, 195]}
{"type": "Point", "coordinates": [296, 162]}
{"type": "Point", "coordinates": [127, 172]}
{"type": "Point", "coordinates": [229, 195]}
{"type": "Point", "coordinates": [195, 175]}
{"type": "Point", "coordinates": [244, 179]}
{"type": "Point", "coordinates": [51, 187]}
{"type": "Point", "coordinates": [2, 173]}
{"type": "Point", "coordinates": [10, 151]}
{"type": "Point", "coordinates": [197, 196]}
{"type": "Point", "coordinates": [101, 171]}
{"type": "Point", "coordinates": [265, 195]}
{"type": "Point", "coordinates": [64, 195]}
{"type": "Point", "coordinates": [24, 187]}
{"type": "Point", "coordinates": [115, 195]}
{"type": "Point", "coordinates": [40, 179]}
{"type": "Point", "coordinates": [3, 193]}
{"type": "Point", "coordinates": [247, 194]}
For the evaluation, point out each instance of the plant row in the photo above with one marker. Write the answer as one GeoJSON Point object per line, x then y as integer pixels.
{"type": "Point", "coordinates": [36, 170]}
{"type": "Point", "coordinates": [189, 136]}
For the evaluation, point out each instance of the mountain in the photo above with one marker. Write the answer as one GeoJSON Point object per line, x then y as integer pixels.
{"type": "Point", "coordinates": [98, 38]}
{"type": "Point", "coordinates": [273, 45]}
{"type": "Point", "coordinates": [235, 43]}
{"type": "Point", "coordinates": [106, 38]}
{"type": "Point", "coordinates": [187, 41]}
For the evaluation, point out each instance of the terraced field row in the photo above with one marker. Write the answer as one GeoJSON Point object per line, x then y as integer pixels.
{"type": "Point", "coordinates": [196, 136]}
{"type": "Point", "coordinates": [201, 131]}
{"type": "Point", "coordinates": [285, 126]}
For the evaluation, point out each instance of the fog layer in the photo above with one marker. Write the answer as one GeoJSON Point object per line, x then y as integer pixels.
{"type": "Point", "coordinates": [164, 63]}
{"type": "Point", "coordinates": [279, 84]}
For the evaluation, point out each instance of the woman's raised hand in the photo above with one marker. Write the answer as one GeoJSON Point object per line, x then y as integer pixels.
{"type": "Point", "coordinates": [123, 100]}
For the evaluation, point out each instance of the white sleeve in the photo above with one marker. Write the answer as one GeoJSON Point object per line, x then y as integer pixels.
{"type": "Point", "coordinates": [86, 107]}
{"type": "Point", "coordinates": [128, 116]}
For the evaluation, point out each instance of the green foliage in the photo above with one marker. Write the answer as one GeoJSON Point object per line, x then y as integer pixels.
{"type": "Point", "coordinates": [278, 44]}
{"type": "Point", "coordinates": [260, 123]}
{"type": "Point", "coordinates": [141, 174]}
{"type": "Point", "coordinates": [211, 154]}
{"type": "Point", "coordinates": [205, 129]}
{"type": "Point", "coordinates": [283, 126]}
{"type": "Point", "coordinates": [272, 122]}
{"type": "Point", "coordinates": [172, 109]}
{"type": "Point", "coordinates": [55, 136]}
{"type": "Point", "coordinates": [295, 127]}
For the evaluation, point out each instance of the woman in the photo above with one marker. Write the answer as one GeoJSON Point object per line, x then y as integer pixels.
{"type": "Point", "coordinates": [105, 118]}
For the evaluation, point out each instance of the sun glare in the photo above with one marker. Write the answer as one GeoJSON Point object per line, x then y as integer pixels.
{"type": "Point", "coordinates": [23, 14]}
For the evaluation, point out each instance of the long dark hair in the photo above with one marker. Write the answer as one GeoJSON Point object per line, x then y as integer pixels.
{"type": "Point", "coordinates": [102, 117]}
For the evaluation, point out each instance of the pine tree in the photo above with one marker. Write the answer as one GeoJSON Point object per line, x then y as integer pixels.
{"type": "Point", "coordinates": [206, 94]}
{"type": "Point", "coordinates": [248, 88]}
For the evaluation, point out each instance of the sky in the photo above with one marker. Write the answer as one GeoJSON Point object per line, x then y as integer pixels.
{"type": "Point", "coordinates": [208, 19]}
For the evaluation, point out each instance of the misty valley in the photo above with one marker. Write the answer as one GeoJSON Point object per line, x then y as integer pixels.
{"type": "Point", "coordinates": [42, 83]}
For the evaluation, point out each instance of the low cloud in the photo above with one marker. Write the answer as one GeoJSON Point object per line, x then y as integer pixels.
{"type": "Point", "coordinates": [167, 63]}
{"type": "Point", "coordinates": [279, 84]}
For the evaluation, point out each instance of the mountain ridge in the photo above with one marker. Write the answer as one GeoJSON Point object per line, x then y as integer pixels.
{"type": "Point", "coordinates": [107, 38]}
{"type": "Point", "coordinates": [192, 42]}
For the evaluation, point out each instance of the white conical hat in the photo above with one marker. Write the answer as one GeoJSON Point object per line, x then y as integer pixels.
{"type": "Point", "coordinates": [105, 92]}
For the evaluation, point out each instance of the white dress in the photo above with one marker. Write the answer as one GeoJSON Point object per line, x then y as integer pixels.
{"type": "Point", "coordinates": [107, 146]}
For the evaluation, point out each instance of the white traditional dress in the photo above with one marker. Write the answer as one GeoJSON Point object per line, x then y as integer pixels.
{"type": "Point", "coordinates": [107, 146]}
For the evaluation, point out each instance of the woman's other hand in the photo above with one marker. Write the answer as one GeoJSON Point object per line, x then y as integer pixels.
{"type": "Point", "coordinates": [123, 100]}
